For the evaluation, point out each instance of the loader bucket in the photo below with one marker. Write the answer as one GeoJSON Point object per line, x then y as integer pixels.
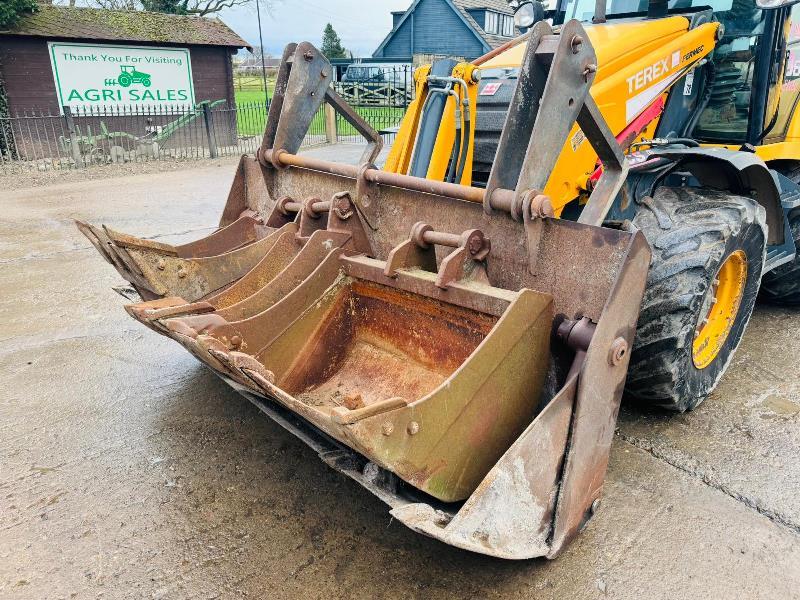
{"type": "Point", "coordinates": [457, 351]}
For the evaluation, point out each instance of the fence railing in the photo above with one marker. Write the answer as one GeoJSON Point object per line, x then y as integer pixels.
{"type": "Point", "coordinates": [69, 139]}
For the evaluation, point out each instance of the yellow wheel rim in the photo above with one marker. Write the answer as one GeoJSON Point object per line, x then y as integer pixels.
{"type": "Point", "coordinates": [720, 307]}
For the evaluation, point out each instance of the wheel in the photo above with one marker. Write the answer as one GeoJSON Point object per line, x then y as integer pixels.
{"type": "Point", "coordinates": [124, 80]}
{"type": "Point", "coordinates": [782, 285]}
{"type": "Point", "coordinates": [146, 82]}
{"type": "Point", "coordinates": [708, 254]}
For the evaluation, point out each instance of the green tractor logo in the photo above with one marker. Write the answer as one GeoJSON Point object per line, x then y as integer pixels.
{"type": "Point", "coordinates": [130, 75]}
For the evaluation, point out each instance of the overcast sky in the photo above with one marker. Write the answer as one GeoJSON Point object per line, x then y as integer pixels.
{"type": "Point", "coordinates": [361, 24]}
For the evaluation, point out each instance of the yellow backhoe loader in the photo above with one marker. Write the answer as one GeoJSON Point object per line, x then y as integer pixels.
{"type": "Point", "coordinates": [454, 330]}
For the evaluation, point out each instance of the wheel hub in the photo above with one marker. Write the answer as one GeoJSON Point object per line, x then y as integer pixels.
{"type": "Point", "coordinates": [719, 310]}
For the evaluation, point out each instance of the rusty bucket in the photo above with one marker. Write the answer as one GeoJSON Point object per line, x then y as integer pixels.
{"type": "Point", "coordinates": [431, 375]}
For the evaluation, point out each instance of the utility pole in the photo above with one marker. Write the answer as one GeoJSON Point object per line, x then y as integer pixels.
{"type": "Point", "coordinates": [261, 47]}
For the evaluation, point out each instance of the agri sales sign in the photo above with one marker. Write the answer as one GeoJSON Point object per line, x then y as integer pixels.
{"type": "Point", "coordinates": [124, 78]}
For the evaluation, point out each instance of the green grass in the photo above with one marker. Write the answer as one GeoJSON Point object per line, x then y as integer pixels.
{"type": "Point", "coordinates": [248, 96]}
{"type": "Point", "coordinates": [251, 116]}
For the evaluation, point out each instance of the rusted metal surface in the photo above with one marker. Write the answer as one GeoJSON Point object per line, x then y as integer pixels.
{"type": "Point", "coordinates": [510, 514]}
{"type": "Point", "coordinates": [194, 278]}
{"type": "Point", "coordinates": [600, 388]}
{"type": "Point", "coordinates": [407, 356]}
{"type": "Point", "coordinates": [242, 224]}
{"type": "Point", "coordinates": [309, 75]}
{"type": "Point", "coordinates": [465, 364]}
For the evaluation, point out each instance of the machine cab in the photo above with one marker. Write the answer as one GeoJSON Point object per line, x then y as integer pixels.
{"type": "Point", "coordinates": [749, 88]}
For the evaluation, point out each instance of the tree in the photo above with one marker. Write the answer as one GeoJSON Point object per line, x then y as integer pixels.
{"type": "Point", "coordinates": [173, 7]}
{"type": "Point", "coordinates": [200, 8]}
{"type": "Point", "coordinates": [11, 11]}
{"type": "Point", "coordinates": [331, 44]}
{"type": "Point", "coordinates": [116, 4]}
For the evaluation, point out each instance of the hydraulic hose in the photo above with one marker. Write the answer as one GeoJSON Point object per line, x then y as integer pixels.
{"type": "Point", "coordinates": [457, 140]}
{"type": "Point", "coordinates": [701, 106]}
{"type": "Point", "coordinates": [467, 132]}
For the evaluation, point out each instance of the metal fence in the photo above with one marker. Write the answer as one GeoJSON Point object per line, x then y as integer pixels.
{"type": "Point", "coordinates": [379, 94]}
{"type": "Point", "coordinates": [67, 139]}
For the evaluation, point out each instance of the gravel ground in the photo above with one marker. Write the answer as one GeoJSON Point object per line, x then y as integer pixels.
{"type": "Point", "coordinates": [10, 180]}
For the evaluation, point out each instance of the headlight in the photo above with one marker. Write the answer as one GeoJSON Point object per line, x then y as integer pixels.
{"type": "Point", "coordinates": [525, 16]}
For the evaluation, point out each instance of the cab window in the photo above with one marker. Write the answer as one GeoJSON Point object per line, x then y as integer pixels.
{"type": "Point", "coordinates": [790, 85]}
{"type": "Point", "coordinates": [725, 117]}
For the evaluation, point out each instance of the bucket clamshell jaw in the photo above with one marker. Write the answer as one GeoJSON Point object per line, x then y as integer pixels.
{"type": "Point", "coordinates": [457, 351]}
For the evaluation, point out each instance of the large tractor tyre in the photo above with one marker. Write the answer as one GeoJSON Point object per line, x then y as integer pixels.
{"type": "Point", "coordinates": [782, 285]}
{"type": "Point", "coordinates": [708, 254]}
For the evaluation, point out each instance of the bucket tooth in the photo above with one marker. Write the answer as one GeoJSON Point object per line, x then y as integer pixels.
{"type": "Point", "coordinates": [286, 246]}
{"type": "Point", "coordinates": [98, 239]}
{"type": "Point", "coordinates": [243, 231]}
{"type": "Point", "coordinates": [164, 308]}
{"type": "Point", "coordinates": [195, 278]}
{"type": "Point", "coordinates": [150, 311]}
{"type": "Point", "coordinates": [134, 257]}
{"type": "Point", "coordinates": [105, 246]}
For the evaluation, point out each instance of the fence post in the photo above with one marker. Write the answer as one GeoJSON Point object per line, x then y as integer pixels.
{"type": "Point", "coordinates": [330, 124]}
{"type": "Point", "coordinates": [74, 146]}
{"type": "Point", "coordinates": [208, 118]}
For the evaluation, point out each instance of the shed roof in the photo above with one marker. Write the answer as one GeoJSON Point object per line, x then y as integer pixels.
{"type": "Point", "coordinates": [80, 23]}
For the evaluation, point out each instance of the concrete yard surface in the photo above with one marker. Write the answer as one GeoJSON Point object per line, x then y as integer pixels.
{"type": "Point", "coordinates": [128, 470]}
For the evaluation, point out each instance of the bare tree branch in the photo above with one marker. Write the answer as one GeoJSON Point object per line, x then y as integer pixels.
{"type": "Point", "coordinates": [207, 7]}
{"type": "Point", "coordinates": [200, 8]}
{"type": "Point", "coordinates": [116, 4]}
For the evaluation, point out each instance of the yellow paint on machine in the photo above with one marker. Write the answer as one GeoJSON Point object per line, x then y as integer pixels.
{"type": "Point", "coordinates": [637, 62]}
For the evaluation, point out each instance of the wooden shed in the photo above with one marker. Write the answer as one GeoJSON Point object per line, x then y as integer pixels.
{"type": "Point", "coordinates": [130, 40]}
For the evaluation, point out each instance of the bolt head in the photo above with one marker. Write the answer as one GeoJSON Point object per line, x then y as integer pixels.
{"type": "Point", "coordinates": [413, 428]}
{"type": "Point", "coordinates": [387, 428]}
{"type": "Point", "coordinates": [617, 352]}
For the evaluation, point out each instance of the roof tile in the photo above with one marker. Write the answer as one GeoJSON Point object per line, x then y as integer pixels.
{"type": "Point", "coordinates": [130, 26]}
{"type": "Point", "coordinates": [500, 6]}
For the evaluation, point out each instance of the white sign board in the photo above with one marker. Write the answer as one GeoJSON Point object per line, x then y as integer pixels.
{"type": "Point", "coordinates": [123, 78]}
